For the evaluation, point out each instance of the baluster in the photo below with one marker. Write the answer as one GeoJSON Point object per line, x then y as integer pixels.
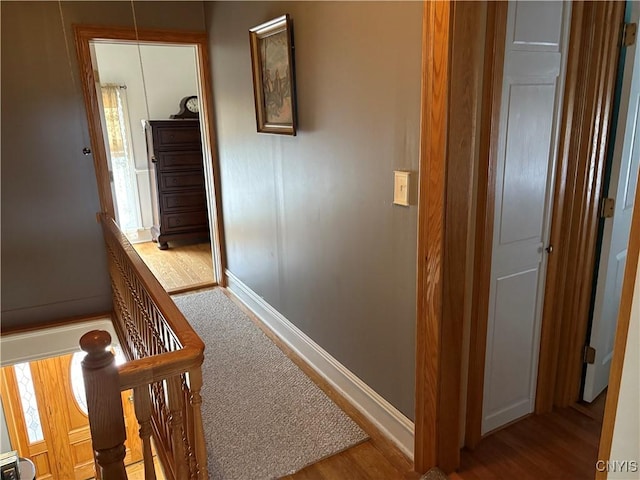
{"type": "Point", "coordinates": [174, 385]}
{"type": "Point", "coordinates": [142, 406]}
{"type": "Point", "coordinates": [189, 439]}
{"type": "Point", "coordinates": [195, 384]}
{"type": "Point", "coordinates": [104, 404]}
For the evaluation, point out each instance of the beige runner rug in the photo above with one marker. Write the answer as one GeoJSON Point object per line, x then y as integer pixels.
{"type": "Point", "coordinates": [263, 418]}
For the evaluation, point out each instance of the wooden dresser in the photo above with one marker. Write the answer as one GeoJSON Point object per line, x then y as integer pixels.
{"type": "Point", "coordinates": [179, 198]}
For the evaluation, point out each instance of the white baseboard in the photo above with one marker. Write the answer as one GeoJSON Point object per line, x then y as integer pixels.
{"type": "Point", "coordinates": [141, 235]}
{"type": "Point", "coordinates": [391, 422]}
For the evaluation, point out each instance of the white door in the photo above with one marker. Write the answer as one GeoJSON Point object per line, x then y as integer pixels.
{"type": "Point", "coordinates": [613, 253]}
{"type": "Point", "coordinates": [533, 82]}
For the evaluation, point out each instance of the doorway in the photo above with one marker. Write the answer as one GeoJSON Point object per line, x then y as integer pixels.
{"type": "Point", "coordinates": [571, 248]}
{"type": "Point", "coordinates": [584, 135]}
{"type": "Point", "coordinates": [621, 176]}
{"type": "Point", "coordinates": [165, 202]}
{"type": "Point", "coordinates": [136, 90]}
{"type": "Point", "coordinates": [592, 63]}
{"type": "Point", "coordinates": [47, 417]}
{"type": "Point", "coordinates": [537, 37]}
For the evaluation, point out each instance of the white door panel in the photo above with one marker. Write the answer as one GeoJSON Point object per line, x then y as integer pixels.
{"type": "Point", "coordinates": [513, 341]}
{"type": "Point", "coordinates": [526, 161]}
{"type": "Point", "coordinates": [537, 27]}
{"type": "Point", "coordinates": [533, 80]}
{"type": "Point", "coordinates": [613, 253]}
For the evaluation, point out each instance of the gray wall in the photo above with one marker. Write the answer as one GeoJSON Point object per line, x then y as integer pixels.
{"type": "Point", "coordinates": [309, 220]}
{"type": "Point", "coordinates": [5, 441]}
{"type": "Point", "coordinates": [53, 261]}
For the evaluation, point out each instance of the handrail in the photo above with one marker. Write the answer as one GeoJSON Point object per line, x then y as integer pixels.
{"type": "Point", "coordinates": [173, 316]}
{"type": "Point", "coordinates": [164, 356]}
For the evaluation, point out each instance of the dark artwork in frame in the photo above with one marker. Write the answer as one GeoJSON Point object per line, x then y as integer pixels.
{"type": "Point", "coordinates": [272, 64]}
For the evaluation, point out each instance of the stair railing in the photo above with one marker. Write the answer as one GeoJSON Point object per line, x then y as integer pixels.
{"type": "Point", "coordinates": [164, 357]}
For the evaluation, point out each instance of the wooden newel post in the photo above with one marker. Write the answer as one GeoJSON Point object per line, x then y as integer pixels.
{"type": "Point", "coordinates": [104, 404]}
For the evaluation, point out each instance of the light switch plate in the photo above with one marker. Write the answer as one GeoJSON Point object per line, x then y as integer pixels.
{"type": "Point", "coordinates": [401, 187]}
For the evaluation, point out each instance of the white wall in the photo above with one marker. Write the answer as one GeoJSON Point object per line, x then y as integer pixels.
{"type": "Point", "coordinates": [626, 431]}
{"type": "Point", "coordinates": [170, 74]}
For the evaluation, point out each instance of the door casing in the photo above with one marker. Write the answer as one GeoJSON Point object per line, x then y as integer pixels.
{"type": "Point", "coordinates": [595, 30]}
{"type": "Point", "coordinates": [613, 232]}
{"type": "Point", "coordinates": [84, 35]}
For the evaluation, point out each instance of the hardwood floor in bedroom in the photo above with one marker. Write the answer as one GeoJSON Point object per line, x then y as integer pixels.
{"type": "Point", "coordinates": [183, 266]}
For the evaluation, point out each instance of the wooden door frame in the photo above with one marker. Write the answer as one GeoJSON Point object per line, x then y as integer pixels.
{"type": "Point", "coordinates": [587, 121]}
{"type": "Point", "coordinates": [84, 34]}
{"type": "Point", "coordinates": [587, 105]}
{"type": "Point", "coordinates": [11, 403]}
{"type": "Point", "coordinates": [493, 75]}
{"type": "Point", "coordinates": [452, 97]}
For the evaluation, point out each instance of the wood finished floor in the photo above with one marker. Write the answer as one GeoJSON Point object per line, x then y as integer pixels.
{"type": "Point", "coordinates": [181, 267]}
{"type": "Point", "coordinates": [594, 409]}
{"type": "Point", "coordinates": [562, 445]}
{"type": "Point", "coordinates": [136, 470]}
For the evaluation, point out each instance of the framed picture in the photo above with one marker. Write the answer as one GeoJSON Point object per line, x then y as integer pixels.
{"type": "Point", "coordinates": [273, 78]}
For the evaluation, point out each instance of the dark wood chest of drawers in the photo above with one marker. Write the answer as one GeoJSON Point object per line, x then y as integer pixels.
{"type": "Point", "coordinates": [179, 198]}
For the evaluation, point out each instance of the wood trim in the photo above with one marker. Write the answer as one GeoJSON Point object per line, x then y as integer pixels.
{"type": "Point", "coordinates": [192, 288]}
{"type": "Point", "coordinates": [436, 30]}
{"type": "Point", "coordinates": [463, 155]}
{"type": "Point", "coordinates": [557, 264]}
{"type": "Point", "coordinates": [492, 92]}
{"type": "Point", "coordinates": [588, 105]}
{"type": "Point", "coordinates": [127, 34]}
{"type": "Point", "coordinates": [452, 97]}
{"type": "Point", "coordinates": [50, 392]}
{"type": "Point", "coordinates": [620, 345]}
{"type": "Point", "coordinates": [211, 151]}
{"type": "Point", "coordinates": [84, 34]}
{"type": "Point", "coordinates": [12, 408]}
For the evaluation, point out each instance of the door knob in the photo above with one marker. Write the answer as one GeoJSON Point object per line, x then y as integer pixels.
{"type": "Point", "coordinates": [549, 249]}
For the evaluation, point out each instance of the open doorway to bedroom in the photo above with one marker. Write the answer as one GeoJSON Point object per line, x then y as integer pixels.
{"type": "Point", "coordinates": [151, 141]}
{"type": "Point", "coordinates": [142, 88]}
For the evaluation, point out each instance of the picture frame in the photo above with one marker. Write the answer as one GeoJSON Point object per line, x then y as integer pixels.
{"type": "Point", "coordinates": [272, 64]}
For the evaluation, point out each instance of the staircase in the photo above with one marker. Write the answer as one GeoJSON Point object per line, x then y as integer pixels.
{"type": "Point", "coordinates": [164, 358]}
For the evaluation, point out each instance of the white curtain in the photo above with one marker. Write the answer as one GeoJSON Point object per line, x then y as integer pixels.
{"type": "Point", "coordinates": [122, 163]}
